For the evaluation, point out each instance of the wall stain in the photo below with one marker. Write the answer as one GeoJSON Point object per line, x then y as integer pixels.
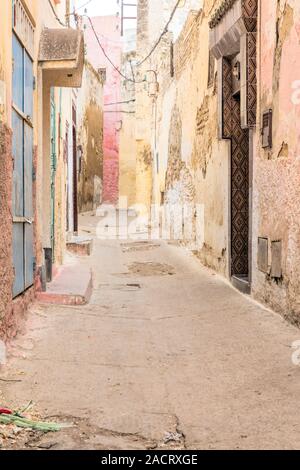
{"type": "Point", "coordinates": [284, 151]}
{"type": "Point", "coordinates": [92, 161]}
{"type": "Point", "coordinates": [285, 21]}
{"type": "Point", "coordinates": [206, 133]}
{"type": "Point", "coordinates": [146, 155]}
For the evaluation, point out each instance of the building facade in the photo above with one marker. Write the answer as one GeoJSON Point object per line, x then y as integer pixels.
{"type": "Point", "coordinates": [223, 138]}
{"type": "Point", "coordinates": [90, 140]}
{"type": "Point", "coordinates": [108, 31]}
{"type": "Point", "coordinates": [127, 167]}
{"type": "Point", "coordinates": [41, 61]}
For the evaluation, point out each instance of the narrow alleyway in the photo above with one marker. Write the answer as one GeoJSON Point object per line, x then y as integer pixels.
{"type": "Point", "coordinates": [166, 355]}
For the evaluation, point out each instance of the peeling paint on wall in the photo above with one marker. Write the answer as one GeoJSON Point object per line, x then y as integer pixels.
{"type": "Point", "coordinates": [284, 24]}
{"type": "Point", "coordinates": [277, 171]}
{"type": "Point", "coordinates": [206, 133]}
{"type": "Point", "coordinates": [91, 171]}
{"type": "Point", "coordinates": [90, 140]}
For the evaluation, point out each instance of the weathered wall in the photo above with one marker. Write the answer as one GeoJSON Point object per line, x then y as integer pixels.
{"type": "Point", "coordinates": [193, 163]}
{"type": "Point", "coordinates": [186, 161]}
{"type": "Point", "coordinates": [146, 31]}
{"type": "Point", "coordinates": [276, 211]}
{"type": "Point", "coordinates": [6, 270]}
{"type": "Point", "coordinates": [63, 105]}
{"type": "Point", "coordinates": [110, 36]}
{"type": "Point", "coordinates": [90, 139]}
{"type": "Point", "coordinates": [63, 99]}
{"type": "Point", "coordinates": [5, 63]}
{"type": "Point", "coordinates": [13, 311]}
{"type": "Point", "coordinates": [152, 18]}
{"type": "Point", "coordinates": [127, 177]}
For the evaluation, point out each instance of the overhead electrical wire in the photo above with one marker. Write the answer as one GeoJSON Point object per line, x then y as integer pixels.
{"type": "Point", "coordinates": [56, 15]}
{"type": "Point", "coordinates": [107, 56]}
{"type": "Point", "coordinates": [132, 80]}
{"type": "Point", "coordinates": [120, 102]}
{"type": "Point", "coordinates": [98, 41]}
{"type": "Point", "coordinates": [84, 5]}
{"type": "Point", "coordinates": [80, 7]}
{"type": "Point", "coordinates": [165, 30]}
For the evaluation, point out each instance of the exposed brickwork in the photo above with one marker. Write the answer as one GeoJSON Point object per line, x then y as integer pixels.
{"type": "Point", "coordinates": [187, 45]}
{"type": "Point", "coordinates": [111, 180]}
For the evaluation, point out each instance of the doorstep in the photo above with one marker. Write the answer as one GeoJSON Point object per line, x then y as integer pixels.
{"type": "Point", "coordinates": [80, 246]}
{"type": "Point", "coordinates": [72, 285]}
{"type": "Point", "coordinates": [242, 284]}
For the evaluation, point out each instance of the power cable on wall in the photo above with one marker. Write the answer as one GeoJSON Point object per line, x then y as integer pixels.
{"type": "Point", "coordinates": [84, 5]}
{"type": "Point", "coordinates": [70, 14]}
{"type": "Point", "coordinates": [165, 30]}
{"type": "Point", "coordinates": [106, 55]}
{"type": "Point", "coordinates": [120, 102]}
{"type": "Point", "coordinates": [80, 7]}
{"type": "Point", "coordinates": [98, 41]}
{"type": "Point", "coordinates": [132, 80]}
{"type": "Point", "coordinates": [56, 15]}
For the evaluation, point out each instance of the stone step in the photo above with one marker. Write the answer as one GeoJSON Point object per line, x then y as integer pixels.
{"type": "Point", "coordinates": [72, 285]}
{"type": "Point", "coordinates": [80, 246]}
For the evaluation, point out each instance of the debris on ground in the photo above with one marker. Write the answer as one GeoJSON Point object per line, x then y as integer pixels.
{"type": "Point", "coordinates": [4, 411]}
{"type": "Point", "coordinates": [151, 269]}
{"type": "Point", "coordinates": [16, 418]}
{"type": "Point", "coordinates": [172, 437]}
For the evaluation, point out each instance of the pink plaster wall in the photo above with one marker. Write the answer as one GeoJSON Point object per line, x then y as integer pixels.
{"type": "Point", "coordinates": [109, 32]}
{"type": "Point", "coordinates": [277, 171]}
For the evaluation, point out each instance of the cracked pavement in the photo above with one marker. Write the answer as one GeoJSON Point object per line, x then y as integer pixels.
{"type": "Point", "coordinates": [167, 355]}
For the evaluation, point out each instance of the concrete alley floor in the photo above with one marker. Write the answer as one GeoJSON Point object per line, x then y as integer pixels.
{"type": "Point", "coordinates": [166, 355]}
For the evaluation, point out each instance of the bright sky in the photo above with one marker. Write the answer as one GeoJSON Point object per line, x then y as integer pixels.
{"type": "Point", "coordinates": [106, 7]}
{"type": "Point", "coordinates": [99, 7]}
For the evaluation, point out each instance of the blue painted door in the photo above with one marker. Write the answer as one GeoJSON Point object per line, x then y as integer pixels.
{"type": "Point", "coordinates": [22, 115]}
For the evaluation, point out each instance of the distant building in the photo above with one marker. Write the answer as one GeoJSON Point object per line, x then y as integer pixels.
{"type": "Point", "coordinates": [108, 30]}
